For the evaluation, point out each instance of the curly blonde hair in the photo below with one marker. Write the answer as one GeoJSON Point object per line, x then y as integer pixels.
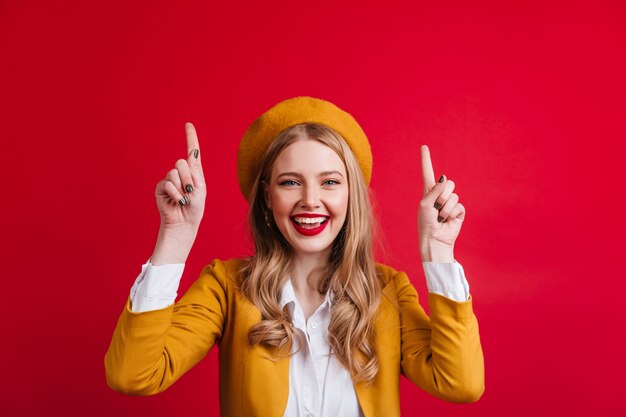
{"type": "Point", "coordinates": [350, 274]}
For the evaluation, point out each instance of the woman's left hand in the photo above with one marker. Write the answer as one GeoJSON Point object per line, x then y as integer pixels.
{"type": "Point", "coordinates": [440, 214]}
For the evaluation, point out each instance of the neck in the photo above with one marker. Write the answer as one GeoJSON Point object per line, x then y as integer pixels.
{"type": "Point", "coordinates": [307, 271]}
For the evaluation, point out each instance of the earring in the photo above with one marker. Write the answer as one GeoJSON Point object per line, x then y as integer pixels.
{"type": "Point", "coordinates": [267, 220]}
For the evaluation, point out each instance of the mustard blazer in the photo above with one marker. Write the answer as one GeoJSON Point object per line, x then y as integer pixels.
{"type": "Point", "coordinates": [149, 351]}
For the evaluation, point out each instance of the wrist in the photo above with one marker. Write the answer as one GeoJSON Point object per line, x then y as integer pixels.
{"type": "Point", "coordinates": [172, 247]}
{"type": "Point", "coordinates": [437, 252]}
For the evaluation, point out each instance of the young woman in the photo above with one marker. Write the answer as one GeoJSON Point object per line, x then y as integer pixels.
{"type": "Point", "coordinates": [309, 325]}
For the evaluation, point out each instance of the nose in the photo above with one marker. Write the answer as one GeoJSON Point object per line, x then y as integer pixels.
{"type": "Point", "coordinates": [310, 197]}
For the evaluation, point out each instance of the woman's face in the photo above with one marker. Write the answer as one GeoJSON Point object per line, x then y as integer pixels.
{"type": "Point", "coordinates": [308, 196]}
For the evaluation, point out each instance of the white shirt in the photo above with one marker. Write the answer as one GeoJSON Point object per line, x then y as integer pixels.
{"type": "Point", "coordinates": [319, 386]}
{"type": "Point", "coordinates": [318, 383]}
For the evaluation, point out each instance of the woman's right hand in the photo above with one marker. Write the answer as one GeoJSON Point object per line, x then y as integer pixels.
{"type": "Point", "coordinates": [180, 199]}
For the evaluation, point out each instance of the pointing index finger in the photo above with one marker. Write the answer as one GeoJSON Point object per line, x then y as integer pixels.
{"type": "Point", "coordinates": [192, 137]}
{"type": "Point", "coordinates": [192, 142]}
{"type": "Point", "coordinates": [193, 155]}
{"type": "Point", "coordinates": [428, 174]}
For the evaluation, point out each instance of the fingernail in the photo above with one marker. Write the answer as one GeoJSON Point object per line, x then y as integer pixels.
{"type": "Point", "coordinates": [182, 201]}
{"type": "Point", "coordinates": [187, 200]}
{"type": "Point", "coordinates": [196, 152]}
{"type": "Point", "coordinates": [189, 188]}
{"type": "Point", "coordinates": [440, 179]}
{"type": "Point", "coordinates": [439, 219]}
{"type": "Point", "coordinates": [438, 206]}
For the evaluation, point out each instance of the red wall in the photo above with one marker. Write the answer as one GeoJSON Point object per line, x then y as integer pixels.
{"type": "Point", "coordinates": [522, 103]}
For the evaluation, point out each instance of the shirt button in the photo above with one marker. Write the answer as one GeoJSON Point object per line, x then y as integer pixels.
{"type": "Point", "coordinates": [314, 325]}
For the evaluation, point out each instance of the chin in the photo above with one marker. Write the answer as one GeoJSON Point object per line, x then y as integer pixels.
{"type": "Point", "coordinates": [310, 249]}
{"type": "Point", "coordinates": [308, 245]}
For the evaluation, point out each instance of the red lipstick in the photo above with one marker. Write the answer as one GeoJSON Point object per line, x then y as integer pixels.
{"type": "Point", "coordinates": [307, 231]}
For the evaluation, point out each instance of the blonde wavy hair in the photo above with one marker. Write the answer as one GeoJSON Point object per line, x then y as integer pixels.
{"type": "Point", "coordinates": [350, 274]}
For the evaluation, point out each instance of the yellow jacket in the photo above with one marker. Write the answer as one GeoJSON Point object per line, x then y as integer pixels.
{"type": "Point", "coordinates": [149, 351]}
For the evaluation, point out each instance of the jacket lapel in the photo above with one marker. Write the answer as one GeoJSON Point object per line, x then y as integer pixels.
{"type": "Point", "coordinates": [366, 394]}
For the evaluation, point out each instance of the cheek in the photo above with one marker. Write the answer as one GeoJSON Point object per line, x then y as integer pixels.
{"type": "Point", "coordinates": [338, 204]}
{"type": "Point", "coordinates": [281, 203]}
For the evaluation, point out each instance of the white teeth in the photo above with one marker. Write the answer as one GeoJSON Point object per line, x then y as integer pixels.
{"type": "Point", "coordinates": [309, 220]}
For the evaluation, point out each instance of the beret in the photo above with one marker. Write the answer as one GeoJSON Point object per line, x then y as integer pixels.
{"type": "Point", "coordinates": [291, 112]}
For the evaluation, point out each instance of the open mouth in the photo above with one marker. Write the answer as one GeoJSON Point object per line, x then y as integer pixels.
{"type": "Point", "coordinates": [309, 225]}
{"type": "Point", "coordinates": [309, 222]}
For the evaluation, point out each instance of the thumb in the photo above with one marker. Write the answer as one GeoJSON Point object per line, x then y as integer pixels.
{"type": "Point", "coordinates": [434, 193]}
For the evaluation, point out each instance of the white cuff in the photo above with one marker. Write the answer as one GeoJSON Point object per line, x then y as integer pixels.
{"type": "Point", "coordinates": [447, 279]}
{"type": "Point", "coordinates": [155, 287]}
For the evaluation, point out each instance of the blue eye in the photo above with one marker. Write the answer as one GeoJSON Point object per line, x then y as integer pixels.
{"type": "Point", "coordinates": [289, 182]}
{"type": "Point", "coordinates": [331, 182]}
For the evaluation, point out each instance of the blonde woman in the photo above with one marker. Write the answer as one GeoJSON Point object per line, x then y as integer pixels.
{"type": "Point", "coordinates": [309, 325]}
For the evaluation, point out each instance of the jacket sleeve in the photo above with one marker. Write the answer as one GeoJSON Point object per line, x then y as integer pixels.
{"type": "Point", "coordinates": [442, 355]}
{"type": "Point", "coordinates": [149, 351]}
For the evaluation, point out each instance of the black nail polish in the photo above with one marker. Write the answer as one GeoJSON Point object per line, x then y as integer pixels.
{"type": "Point", "coordinates": [438, 206]}
{"type": "Point", "coordinates": [182, 201]}
{"type": "Point", "coordinates": [189, 188]}
{"type": "Point", "coordinates": [439, 219]}
{"type": "Point", "coordinates": [440, 179]}
{"type": "Point", "coordinates": [196, 153]}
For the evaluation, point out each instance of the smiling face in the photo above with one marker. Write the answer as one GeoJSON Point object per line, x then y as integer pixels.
{"type": "Point", "coordinates": [308, 196]}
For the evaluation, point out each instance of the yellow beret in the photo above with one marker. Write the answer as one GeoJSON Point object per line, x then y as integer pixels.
{"type": "Point", "coordinates": [289, 113]}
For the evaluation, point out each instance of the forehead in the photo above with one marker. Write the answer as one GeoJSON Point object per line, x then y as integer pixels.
{"type": "Point", "coordinates": [308, 156]}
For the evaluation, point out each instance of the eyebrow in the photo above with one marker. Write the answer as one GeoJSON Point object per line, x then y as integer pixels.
{"type": "Point", "coordinates": [321, 174]}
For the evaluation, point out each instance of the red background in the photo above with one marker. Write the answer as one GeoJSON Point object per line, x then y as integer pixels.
{"type": "Point", "coordinates": [522, 103]}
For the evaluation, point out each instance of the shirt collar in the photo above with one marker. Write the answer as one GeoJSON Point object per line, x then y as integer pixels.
{"type": "Point", "coordinates": [288, 294]}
